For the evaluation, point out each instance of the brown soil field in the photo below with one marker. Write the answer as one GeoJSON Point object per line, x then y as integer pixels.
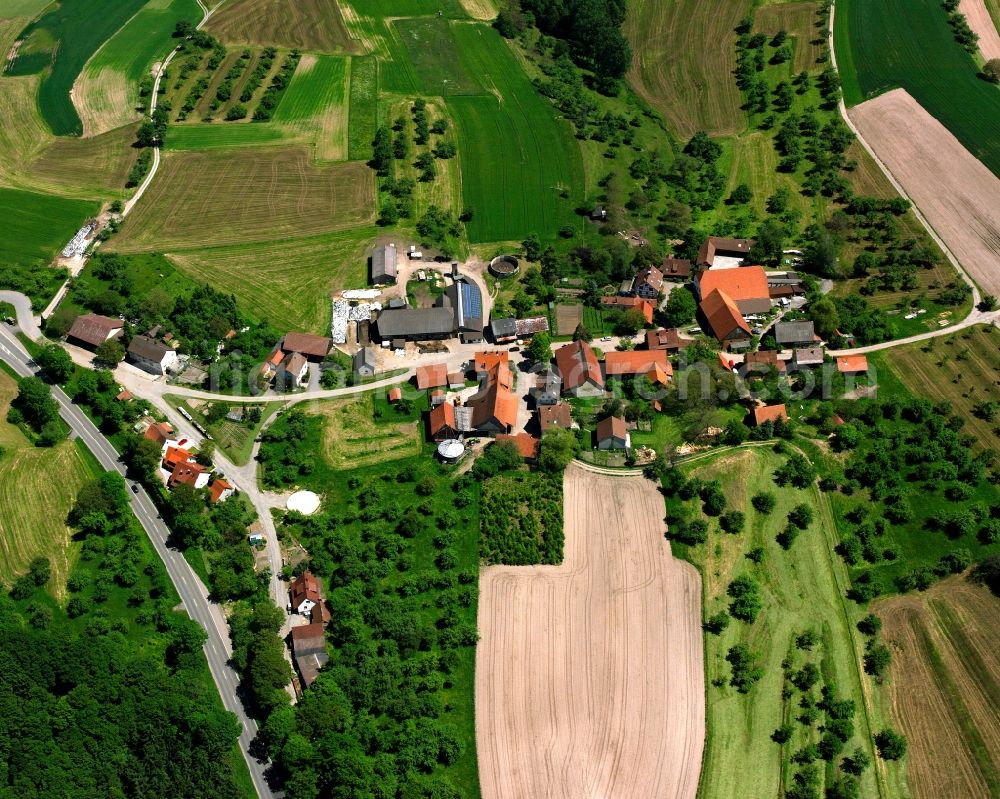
{"type": "Point", "coordinates": [568, 316]}
{"type": "Point", "coordinates": [93, 166]}
{"type": "Point", "coordinates": [957, 194]}
{"type": "Point", "coordinates": [683, 62]}
{"type": "Point", "coordinates": [799, 20]}
{"type": "Point", "coordinates": [590, 675]}
{"type": "Point", "coordinates": [316, 25]}
{"type": "Point", "coordinates": [945, 687]}
{"type": "Point", "coordinates": [202, 199]}
{"type": "Point", "coordinates": [982, 23]}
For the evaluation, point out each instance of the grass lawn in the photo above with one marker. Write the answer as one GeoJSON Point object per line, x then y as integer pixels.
{"type": "Point", "coordinates": [873, 57]}
{"type": "Point", "coordinates": [352, 437]}
{"type": "Point", "coordinates": [803, 588]}
{"type": "Point", "coordinates": [67, 36]}
{"type": "Point", "coordinates": [38, 486]}
{"type": "Point", "coordinates": [38, 225]}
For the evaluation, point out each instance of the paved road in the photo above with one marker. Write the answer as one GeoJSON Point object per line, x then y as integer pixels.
{"type": "Point", "coordinates": [22, 308]}
{"type": "Point", "coordinates": [193, 593]}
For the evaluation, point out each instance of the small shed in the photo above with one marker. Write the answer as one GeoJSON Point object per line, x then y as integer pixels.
{"type": "Point", "coordinates": [364, 362]}
{"type": "Point", "coordinates": [612, 433]}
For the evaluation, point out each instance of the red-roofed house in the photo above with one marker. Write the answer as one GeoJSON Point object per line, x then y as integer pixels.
{"type": "Point", "coordinates": [433, 376]}
{"type": "Point", "coordinates": [160, 432]}
{"type": "Point", "coordinates": [527, 445]}
{"type": "Point", "coordinates": [580, 371]}
{"type": "Point", "coordinates": [648, 282]}
{"type": "Point", "coordinates": [669, 340]}
{"type": "Point", "coordinates": [558, 415]}
{"type": "Point", "coordinates": [636, 362]}
{"type": "Point", "coordinates": [494, 407]}
{"type": "Point", "coordinates": [191, 474]}
{"type": "Point", "coordinates": [485, 362]}
{"type": "Point", "coordinates": [305, 593]}
{"type": "Point", "coordinates": [746, 286]}
{"type": "Point", "coordinates": [220, 491]}
{"type": "Point", "coordinates": [725, 320]}
{"type": "Point", "coordinates": [612, 433]}
{"type": "Point", "coordinates": [92, 330]}
{"type": "Point", "coordinates": [769, 413]}
{"type": "Point", "coordinates": [628, 303]}
{"type": "Point", "coordinates": [852, 364]}
{"type": "Point", "coordinates": [442, 422]}
{"type": "Point", "coordinates": [315, 348]}
{"type": "Point", "coordinates": [760, 362]}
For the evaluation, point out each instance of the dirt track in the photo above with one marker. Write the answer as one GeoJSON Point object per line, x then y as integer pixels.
{"type": "Point", "coordinates": [957, 194]}
{"type": "Point", "coordinates": [982, 23]}
{"type": "Point", "coordinates": [945, 687]}
{"type": "Point", "coordinates": [590, 675]}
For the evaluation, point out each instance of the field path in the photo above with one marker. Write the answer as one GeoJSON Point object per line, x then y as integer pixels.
{"type": "Point", "coordinates": [982, 23]}
{"type": "Point", "coordinates": [590, 675]}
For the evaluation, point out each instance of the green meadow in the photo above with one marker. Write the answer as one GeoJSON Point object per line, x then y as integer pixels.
{"type": "Point", "coordinates": [362, 107]}
{"type": "Point", "coordinates": [38, 225]}
{"type": "Point", "coordinates": [909, 44]}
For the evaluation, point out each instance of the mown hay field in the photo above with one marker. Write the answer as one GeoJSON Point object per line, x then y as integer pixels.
{"type": "Point", "coordinates": [106, 92]}
{"type": "Point", "coordinates": [215, 136]}
{"type": "Point", "coordinates": [37, 225]}
{"type": "Point", "coordinates": [945, 687]}
{"type": "Point", "coordinates": [874, 55]}
{"type": "Point", "coordinates": [67, 36]}
{"type": "Point", "coordinates": [95, 167]}
{"type": "Point", "coordinates": [804, 26]}
{"type": "Point", "coordinates": [316, 25]}
{"type": "Point", "coordinates": [802, 588]}
{"type": "Point", "coordinates": [316, 103]}
{"type": "Point", "coordinates": [287, 282]}
{"type": "Point", "coordinates": [521, 166]}
{"type": "Point", "coordinates": [362, 106]}
{"type": "Point", "coordinates": [683, 62]}
{"type": "Point", "coordinates": [352, 439]}
{"type": "Point", "coordinates": [244, 196]}
{"type": "Point", "coordinates": [37, 489]}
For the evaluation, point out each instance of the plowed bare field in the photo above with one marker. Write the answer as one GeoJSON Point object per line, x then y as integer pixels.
{"type": "Point", "coordinates": [945, 688]}
{"type": "Point", "coordinates": [981, 22]}
{"type": "Point", "coordinates": [959, 196]}
{"type": "Point", "coordinates": [590, 675]}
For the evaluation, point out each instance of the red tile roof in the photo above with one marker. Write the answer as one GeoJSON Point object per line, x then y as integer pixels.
{"type": "Point", "coordinates": [631, 302]}
{"type": "Point", "coordinates": [159, 432]}
{"type": "Point", "coordinates": [650, 277]}
{"type": "Point", "coordinates": [304, 587]}
{"type": "Point", "coordinates": [577, 365]}
{"type": "Point", "coordinates": [186, 473]}
{"type": "Point", "coordinates": [723, 316]}
{"type": "Point", "coordinates": [612, 427]}
{"type": "Point", "coordinates": [174, 456]}
{"type": "Point", "coordinates": [442, 421]}
{"type": "Point", "coordinates": [217, 489]}
{"type": "Point", "coordinates": [769, 413]}
{"type": "Point", "coordinates": [432, 376]}
{"type": "Point", "coordinates": [740, 283]}
{"type": "Point", "coordinates": [709, 247]}
{"type": "Point", "coordinates": [95, 329]}
{"type": "Point", "coordinates": [558, 415]}
{"type": "Point", "coordinates": [765, 358]}
{"type": "Point", "coordinates": [307, 344]}
{"type": "Point", "coordinates": [849, 364]}
{"type": "Point", "coordinates": [486, 361]}
{"type": "Point", "coordinates": [636, 362]}
{"type": "Point", "coordinates": [676, 267]}
{"type": "Point", "coordinates": [666, 339]}
{"type": "Point", "coordinates": [527, 445]}
{"type": "Point", "coordinates": [395, 394]}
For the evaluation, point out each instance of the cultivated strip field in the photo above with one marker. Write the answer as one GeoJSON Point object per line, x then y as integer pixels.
{"type": "Point", "coordinates": [305, 24]}
{"type": "Point", "coordinates": [207, 199]}
{"type": "Point", "coordinates": [944, 688]}
{"type": "Point", "coordinates": [959, 196]}
{"type": "Point", "coordinates": [590, 675]}
{"type": "Point", "coordinates": [684, 57]}
{"type": "Point", "coordinates": [352, 439]}
{"type": "Point", "coordinates": [982, 23]}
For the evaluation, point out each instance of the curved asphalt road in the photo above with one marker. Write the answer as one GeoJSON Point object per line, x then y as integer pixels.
{"type": "Point", "coordinates": [193, 593]}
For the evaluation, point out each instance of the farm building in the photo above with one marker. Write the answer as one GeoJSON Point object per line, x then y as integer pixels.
{"type": "Point", "coordinates": [558, 415]}
{"type": "Point", "coordinates": [852, 364]}
{"type": "Point", "coordinates": [384, 265]}
{"type": "Point", "coordinates": [760, 362]}
{"type": "Point", "coordinates": [503, 330]}
{"type": "Point", "coordinates": [747, 287]}
{"type": "Point", "coordinates": [645, 307]}
{"type": "Point", "coordinates": [178, 467]}
{"type": "Point", "coordinates": [494, 407]}
{"type": "Point", "coordinates": [579, 370]}
{"type": "Point", "coordinates": [293, 370]}
{"type": "Point", "coordinates": [309, 651]}
{"type": "Point", "coordinates": [484, 362]}
{"type": "Point", "coordinates": [527, 445]}
{"type": "Point", "coordinates": [612, 433]}
{"type": "Point", "coordinates": [725, 321]}
{"type": "Point", "coordinates": [670, 341]}
{"type": "Point", "coordinates": [795, 334]}
{"type": "Point", "coordinates": [363, 362]}
{"type": "Point", "coordinates": [92, 330]}
{"type": "Point", "coordinates": [676, 268]}
{"type": "Point", "coordinates": [467, 303]}
{"type": "Point", "coordinates": [442, 422]}
{"type": "Point", "coordinates": [160, 432]}
{"type": "Point", "coordinates": [416, 324]}
{"type": "Point", "coordinates": [636, 362]}
{"type": "Point", "coordinates": [314, 348]}
{"type": "Point", "coordinates": [807, 358]}
{"type": "Point", "coordinates": [395, 395]}
{"type": "Point", "coordinates": [548, 389]}
{"type": "Point", "coordinates": [151, 355]}
{"type": "Point", "coordinates": [769, 413]}
{"type": "Point", "coordinates": [720, 252]}
{"type": "Point", "coordinates": [433, 376]}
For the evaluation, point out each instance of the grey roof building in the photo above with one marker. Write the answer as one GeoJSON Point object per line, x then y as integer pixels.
{"type": "Point", "coordinates": [503, 329]}
{"type": "Point", "coordinates": [363, 362]}
{"type": "Point", "coordinates": [384, 264]}
{"type": "Point", "coordinates": [151, 355]}
{"type": "Point", "coordinates": [467, 302]}
{"type": "Point", "coordinates": [309, 650]}
{"type": "Point", "coordinates": [794, 334]}
{"type": "Point", "coordinates": [416, 324]}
